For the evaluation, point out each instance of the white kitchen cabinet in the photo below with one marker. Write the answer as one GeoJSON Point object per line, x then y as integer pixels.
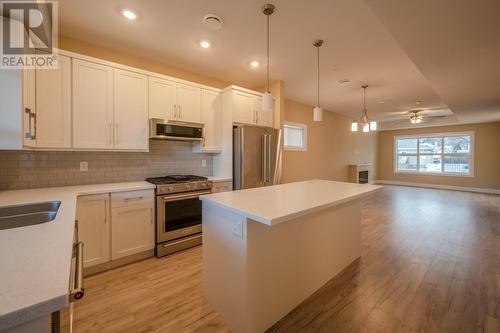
{"type": "Point", "coordinates": [247, 109]}
{"type": "Point", "coordinates": [162, 98]}
{"type": "Point", "coordinates": [29, 107]}
{"type": "Point", "coordinates": [53, 106]}
{"type": "Point", "coordinates": [92, 214]}
{"type": "Point", "coordinates": [132, 223]}
{"type": "Point", "coordinates": [188, 103]}
{"type": "Point", "coordinates": [131, 129]}
{"type": "Point", "coordinates": [211, 111]}
{"type": "Point", "coordinates": [92, 105]}
{"type": "Point", "coordinates": [243, 108]}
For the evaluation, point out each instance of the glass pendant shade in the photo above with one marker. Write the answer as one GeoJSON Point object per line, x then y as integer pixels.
{"type": "Point", "coordinates": [366, 128]}
{"type": "Point", "coordinates": [318, 114]}
{"type": "Point", "coordinates": [373, 125]}
{"type": "Point", "coordinates": [354, 126]}
{"type": "Point", "coordinates": [267, 102]}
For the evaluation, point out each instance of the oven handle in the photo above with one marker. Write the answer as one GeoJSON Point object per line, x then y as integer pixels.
{"type": "Point", "coordinates": [184, 196]}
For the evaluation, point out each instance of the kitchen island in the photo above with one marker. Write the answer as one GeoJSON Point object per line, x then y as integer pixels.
{"type": "Point", "coordinates": [265, 250]}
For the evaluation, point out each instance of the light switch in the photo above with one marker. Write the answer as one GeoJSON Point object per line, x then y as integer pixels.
{"type": "Point", "coordinates": [238, 229]}
{"type": "Point", "coordinates": [203, 163]}
{"type": "Point", "coordinates": [84, 166]}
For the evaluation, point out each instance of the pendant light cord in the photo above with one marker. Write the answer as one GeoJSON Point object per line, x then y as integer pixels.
{"type": "Point", "coordinates": [267, 54]}
{"type": "Point", "coordinates": [317, 100]}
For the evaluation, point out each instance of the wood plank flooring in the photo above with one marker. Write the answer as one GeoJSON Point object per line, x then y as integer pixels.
{"type": "Point", "coordinates": [430, 263]}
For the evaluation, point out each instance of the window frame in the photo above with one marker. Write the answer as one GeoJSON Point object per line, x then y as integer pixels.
{"type": "Point", "coordinates": [304, 137]}
{"type": "Point", "coordinates": [442, 154]}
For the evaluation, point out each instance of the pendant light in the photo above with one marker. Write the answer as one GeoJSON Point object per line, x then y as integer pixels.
{"type": "Point", "coordinates": [318, 111]}
{"type": "Point", "coordinates": [366, 124]}
{"type": "Point", "coordinates": [267, 98]}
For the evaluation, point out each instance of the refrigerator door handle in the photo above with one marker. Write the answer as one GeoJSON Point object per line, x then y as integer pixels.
{"type": "Point", "coordinates": [268, 150]}
{"type": "Point", "coordinates": [264, 159]}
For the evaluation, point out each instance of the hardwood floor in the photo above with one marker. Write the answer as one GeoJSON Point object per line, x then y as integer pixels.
{"type": "Point", "coordinates": [430, 263]}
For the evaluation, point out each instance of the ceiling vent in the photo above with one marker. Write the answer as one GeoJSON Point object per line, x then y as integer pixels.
{"type": "Point", "coordinates": [213, 21]}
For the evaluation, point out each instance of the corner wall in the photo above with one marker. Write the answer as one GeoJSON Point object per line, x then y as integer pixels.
{"type": "Point", "coordinates": [331, 146]}
{"type": "Point", "coordinates": [486, 157]}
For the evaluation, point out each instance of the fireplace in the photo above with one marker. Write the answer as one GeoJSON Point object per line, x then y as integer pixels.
{"type": "Point", "coordinates": [360, 173]}
{"type": "Point", "coordinates": [363, 177]}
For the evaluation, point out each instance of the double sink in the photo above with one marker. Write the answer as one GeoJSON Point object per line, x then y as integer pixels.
{"type": "Point", "coordinates": [28, 214]}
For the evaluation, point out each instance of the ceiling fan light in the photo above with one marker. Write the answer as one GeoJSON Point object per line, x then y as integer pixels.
{"type": "Point", "coordinates": [267, 102]}
{"type": "Point", "coordinates": [318, 114]}
{"type": "Point", "coordinates": [366, 128]}
{"type": "Point", "coordinates": [354, 126]}
{"type": "Point", "coordinates": [373, 125]}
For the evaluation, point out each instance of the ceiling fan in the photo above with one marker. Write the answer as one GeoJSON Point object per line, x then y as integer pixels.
{"type": "Point", "coordinates": [417, 116]}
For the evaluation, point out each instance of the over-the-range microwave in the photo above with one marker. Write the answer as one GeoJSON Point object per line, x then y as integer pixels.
{"type": "Point", "coordinates": [175, 130]}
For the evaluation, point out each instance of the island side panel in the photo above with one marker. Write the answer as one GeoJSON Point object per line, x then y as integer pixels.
{"type": "Point", "coordinates": [224, 264]}
{"type": "Point", "coordinates": [290, 261]}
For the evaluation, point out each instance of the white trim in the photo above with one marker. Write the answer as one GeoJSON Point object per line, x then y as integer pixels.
{"type": "Point", "coordinates": [441, 187]}
{"type": "Point", "coordinates": [442, 154]}
{"type": "Point", "coordinates": [304, 129]}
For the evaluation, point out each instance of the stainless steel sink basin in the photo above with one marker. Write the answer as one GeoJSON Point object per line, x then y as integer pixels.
{"type": "Point", "coordinates": [28, 214]}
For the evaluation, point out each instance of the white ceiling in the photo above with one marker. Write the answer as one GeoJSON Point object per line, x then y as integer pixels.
{"type": "Point", "coordinates": [359, 46]}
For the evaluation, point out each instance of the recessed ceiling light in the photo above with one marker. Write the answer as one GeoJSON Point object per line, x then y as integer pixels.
{"type": "Point", "coordinates": [205, 44]}
{"type": "Point", "coordinates": [254, 63]}
{"type": "Point", "coordinates": [129, 14]}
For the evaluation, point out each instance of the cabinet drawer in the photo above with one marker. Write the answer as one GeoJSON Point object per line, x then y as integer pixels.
{"type": "Point", "coordinates": [128, 198]}
{"type": "Point", "coordinates": [222, 187]}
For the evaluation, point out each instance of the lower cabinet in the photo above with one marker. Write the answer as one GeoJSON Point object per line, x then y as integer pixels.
{"type": "Point", "coordinates": [115, 226]}
{"type": "Point", "coordinates": [133, 224]}
{"type": "Point", "coordinates": [92, 214]}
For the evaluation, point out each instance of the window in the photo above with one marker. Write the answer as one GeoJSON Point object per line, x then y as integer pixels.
{"type": "Point", "coordinates": [295, 136]}
{"type": "Point", "coordinates": [442, 154]}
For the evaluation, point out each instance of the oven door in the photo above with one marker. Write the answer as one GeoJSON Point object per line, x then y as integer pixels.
{"type": "Point", "coordinates": [178, 215]}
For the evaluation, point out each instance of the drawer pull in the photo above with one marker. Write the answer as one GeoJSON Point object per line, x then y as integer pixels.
{"type": "Point", "coordinates": [134, 198]}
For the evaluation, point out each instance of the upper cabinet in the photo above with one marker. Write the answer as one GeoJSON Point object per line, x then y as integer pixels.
{"type": "Point", "coordinates": [53, 106]}
{"type": "Point", "coordinates": [174, 101]}
{"type": "Point", "coordinates": [130, 110]}
{"type": "Point", "coordinates": [247, 109]}
{"type": "Point", "coordinates": [92, 105]}
{"type": "Point", "coordinates": [162, 98]}
{"type": "Point", "coordinates": [211, 110]}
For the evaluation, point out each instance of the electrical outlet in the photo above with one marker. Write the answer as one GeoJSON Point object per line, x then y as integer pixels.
{"type": "Point", "coordinates": [203, 163]}
{"type": "Point", "coordinates": [84, 166]}
{"type": "Point", "coordinates": [237, 229]}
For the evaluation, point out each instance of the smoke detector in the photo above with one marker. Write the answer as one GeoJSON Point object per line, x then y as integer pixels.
{"type": "Point", "coordinates": [213, 21]}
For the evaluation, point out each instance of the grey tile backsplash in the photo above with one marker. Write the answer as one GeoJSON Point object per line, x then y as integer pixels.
{"type": "Point", "coordinates": [34, 169]}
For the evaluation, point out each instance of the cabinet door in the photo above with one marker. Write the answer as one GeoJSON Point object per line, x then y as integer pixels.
{"type": "Point", "coordinates": [92, 105]}
{"type": "Point", "coordinates": [53, 100]}
{"type": "Point", "coordinates": [162, 98]}
{"type": "Point", "coordinates": [130, 110]}
{"type": "Point", "coordinates": [133, 230]}
{"type": "Point", "coordinates": [188, 103]}
{"type": "Point", "coordinates": [92, 213]}
{"type": "Point", "coordinates": [243, 108]}
{"type": "Point", "coordinates": [211, 108]}
{"type": "Point", "coordinates": [29, 107]}
{"type": "Point", "coordinates": [264, 118]}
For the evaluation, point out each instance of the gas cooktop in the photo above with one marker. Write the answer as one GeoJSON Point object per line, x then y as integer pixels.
{"type": "Point", "coordinates": [174, 179]}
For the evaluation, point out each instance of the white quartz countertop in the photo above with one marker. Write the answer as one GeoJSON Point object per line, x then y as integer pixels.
{"type": "Point", "coordinates": [219, 179]}
{"type": "Point", "coordinates": [35, 260]}
{"type": "Point", "coordinates": [279, 203]}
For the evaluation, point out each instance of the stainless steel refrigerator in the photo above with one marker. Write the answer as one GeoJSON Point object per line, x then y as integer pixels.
{"type": "Point", "coordinates": [256, 156]}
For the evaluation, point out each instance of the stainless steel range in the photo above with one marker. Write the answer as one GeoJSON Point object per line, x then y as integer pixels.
{"type": "Point", "coordinates": [178, 212]}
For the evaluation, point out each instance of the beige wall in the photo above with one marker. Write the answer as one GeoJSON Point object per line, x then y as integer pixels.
{"type": "Point", "coordinates": [91, 50]}
{"type": "Point", "coordinates": [486, 157]}
{"type": "Point", "coordinates": [331, 146]}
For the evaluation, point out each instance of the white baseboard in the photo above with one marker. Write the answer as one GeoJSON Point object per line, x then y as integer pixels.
{"type": "Point", "coordinates": [441, 187]}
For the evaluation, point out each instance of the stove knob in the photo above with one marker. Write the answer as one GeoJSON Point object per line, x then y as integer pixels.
{"type": "Point", "coordinates": [170, 188]}
{"type": "Point", "coordinates": [188, 187]}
